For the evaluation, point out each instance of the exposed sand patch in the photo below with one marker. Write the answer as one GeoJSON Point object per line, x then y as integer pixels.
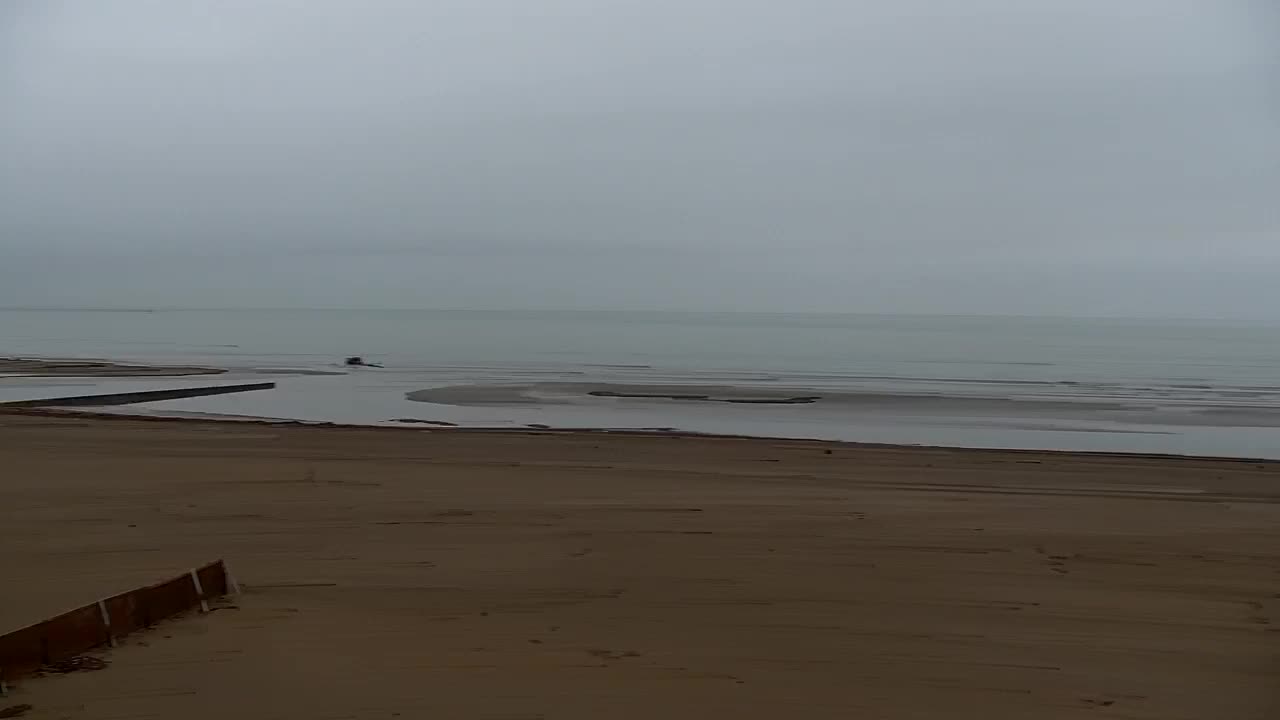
{"type": "Point", "coordinates": [94, 368]}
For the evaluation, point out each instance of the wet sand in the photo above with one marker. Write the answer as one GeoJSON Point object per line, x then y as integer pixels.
{"type": "Point", "coordinates": [464, 574]}
{"type": "Point", "coordinates": [1048, 405]}
{"type": "Point", "coordinates": [28, 367]}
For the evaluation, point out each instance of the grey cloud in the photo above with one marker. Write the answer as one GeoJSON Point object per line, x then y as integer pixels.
{"type": "Point", "coordinates": [831, 155]}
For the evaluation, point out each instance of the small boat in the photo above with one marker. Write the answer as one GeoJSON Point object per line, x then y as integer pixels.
{"type": "Point", "coordinates": [357, 361]}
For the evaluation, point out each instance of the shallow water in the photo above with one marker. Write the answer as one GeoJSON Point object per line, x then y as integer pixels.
{"type": "Point", "coordinates": [1171, 386]}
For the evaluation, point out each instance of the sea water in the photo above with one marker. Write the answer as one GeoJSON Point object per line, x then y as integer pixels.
{"type": "Point", "coordinates": [1174, 386]}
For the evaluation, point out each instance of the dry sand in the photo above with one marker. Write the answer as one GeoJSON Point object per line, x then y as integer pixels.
{"type": "Point", "coordinates": [457, 574]}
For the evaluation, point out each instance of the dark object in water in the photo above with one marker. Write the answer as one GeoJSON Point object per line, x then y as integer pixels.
{"type": "Point", "coordinates": [357, 361]}
{"type": "Point", "coordinates": [800, 400]}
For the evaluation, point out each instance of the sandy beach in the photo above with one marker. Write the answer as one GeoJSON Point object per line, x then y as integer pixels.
{"type": "Point", "coordinates": [461, 574]}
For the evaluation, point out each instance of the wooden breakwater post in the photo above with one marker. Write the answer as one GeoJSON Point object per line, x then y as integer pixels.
{"type": "Point", "coordinates": [102, 622]}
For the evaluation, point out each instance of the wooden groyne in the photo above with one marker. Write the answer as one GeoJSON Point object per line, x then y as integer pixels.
{"type": "Point", "coordinates": [137, 397]}
{"type": "Point", "coordinates": [63, 638]}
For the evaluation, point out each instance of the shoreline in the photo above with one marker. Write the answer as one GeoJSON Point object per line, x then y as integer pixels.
{"type": "Point", "coordinates": [1207, 422]}
{"type": "Point", "coordinates": [440, 427]}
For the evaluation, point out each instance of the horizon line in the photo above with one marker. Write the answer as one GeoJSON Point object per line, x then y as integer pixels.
{"type": "Point", "coordinates": [653, 311]}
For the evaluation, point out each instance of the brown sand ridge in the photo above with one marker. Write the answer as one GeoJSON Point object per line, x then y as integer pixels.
{"type": "Point", "coordinates": [458, 574]}
{"type": "Point", "coordinates": [94, 368]}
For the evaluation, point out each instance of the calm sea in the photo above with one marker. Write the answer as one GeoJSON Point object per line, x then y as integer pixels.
{"type": "Point", "coordinates": [1179, 386]}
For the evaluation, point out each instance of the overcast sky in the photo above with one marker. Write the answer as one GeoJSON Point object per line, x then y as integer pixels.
{"type": "Point", "coordinates": [1096, 157]}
